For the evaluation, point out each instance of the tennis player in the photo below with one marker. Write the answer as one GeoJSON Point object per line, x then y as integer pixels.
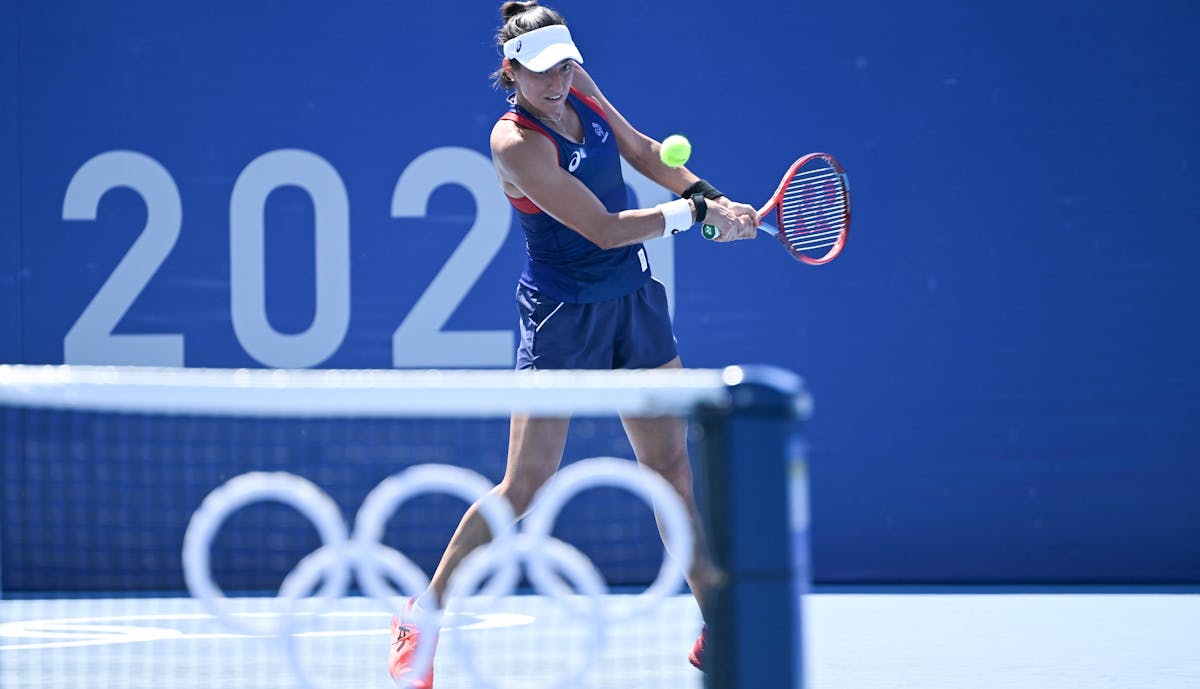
{"type": "Point", "coordinates": [587, 298]}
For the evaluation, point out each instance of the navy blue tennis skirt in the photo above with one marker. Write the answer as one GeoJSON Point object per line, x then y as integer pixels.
{"type": "Point", "coordinates": [633, 331]}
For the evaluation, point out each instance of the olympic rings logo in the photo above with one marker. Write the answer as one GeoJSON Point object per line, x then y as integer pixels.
{"type": "Point", "coordinates": [554, 567]}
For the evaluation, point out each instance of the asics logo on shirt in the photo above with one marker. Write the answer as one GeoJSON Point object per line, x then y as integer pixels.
{"type": "Point", "coordinates": [600, 132]}
{"type": "Point", "coordinates": [576, 158]}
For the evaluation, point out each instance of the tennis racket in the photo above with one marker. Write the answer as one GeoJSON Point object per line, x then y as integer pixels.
{"type": "Point", "coordinates": [811, 210]}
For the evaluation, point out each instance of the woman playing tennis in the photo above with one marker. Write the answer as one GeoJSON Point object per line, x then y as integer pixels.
{"type": "Point", "coordinates": [587, 297]}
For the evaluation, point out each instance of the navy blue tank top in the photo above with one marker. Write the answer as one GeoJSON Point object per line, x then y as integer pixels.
{"type": "Point", "coordinates": [559, 262]}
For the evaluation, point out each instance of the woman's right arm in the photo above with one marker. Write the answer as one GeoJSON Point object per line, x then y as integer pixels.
{"type": "Point", "coordinates": [527, 163]}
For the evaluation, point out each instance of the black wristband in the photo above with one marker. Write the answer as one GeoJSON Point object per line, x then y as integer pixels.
{"type": "Point", "coordinates": [702, 187]}
{"type": "Point", "coordinates": [701, 206]}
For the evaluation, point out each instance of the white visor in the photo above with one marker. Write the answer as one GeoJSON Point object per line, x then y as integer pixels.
{"type": "Point", "coordinates": [542, 48]}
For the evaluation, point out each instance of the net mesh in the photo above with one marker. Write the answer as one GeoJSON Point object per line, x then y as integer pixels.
{"type": "Point", "coordinates": [104, 471]}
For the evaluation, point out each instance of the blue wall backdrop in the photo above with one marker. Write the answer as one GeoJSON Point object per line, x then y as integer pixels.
{"type": "Point", "coordinates": [1005, 360]}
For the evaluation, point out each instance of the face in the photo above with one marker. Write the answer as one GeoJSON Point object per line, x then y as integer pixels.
{"type": "Point", "coordinates": [545, 92]}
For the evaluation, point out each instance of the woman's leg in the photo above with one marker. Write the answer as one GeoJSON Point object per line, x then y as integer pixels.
{"type": "Point", "coordinates": [535, 448]}
{"type": "Point", "coordinates": [661, 444]}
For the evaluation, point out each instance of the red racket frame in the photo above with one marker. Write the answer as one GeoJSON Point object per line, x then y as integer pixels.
{"type": "Point", "coordinates": [775, 204]}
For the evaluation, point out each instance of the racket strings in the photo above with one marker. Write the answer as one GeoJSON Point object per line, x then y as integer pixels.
{"type": "Point", "coordinates": [813, 210]}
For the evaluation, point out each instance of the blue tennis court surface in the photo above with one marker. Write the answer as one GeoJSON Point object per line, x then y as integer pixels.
{"type": "Point", "coordinates": [855, 641]}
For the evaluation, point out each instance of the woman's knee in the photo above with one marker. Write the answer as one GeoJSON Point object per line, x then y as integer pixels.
{"type": "Point", "coordinates": [519, 489]}
{"type": "Point", "coordinates": [676, 469]}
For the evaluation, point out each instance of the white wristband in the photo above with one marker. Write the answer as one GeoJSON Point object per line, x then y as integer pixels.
{"type": "Point", "coordinates": [678, 216]}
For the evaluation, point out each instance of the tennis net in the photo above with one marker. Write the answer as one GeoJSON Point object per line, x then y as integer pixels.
{"type": "Point", "coordinates": [202, 528]}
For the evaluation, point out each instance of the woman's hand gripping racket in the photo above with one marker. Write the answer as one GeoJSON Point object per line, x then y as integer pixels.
{"type": "Point", "coordinates": [811, 210]}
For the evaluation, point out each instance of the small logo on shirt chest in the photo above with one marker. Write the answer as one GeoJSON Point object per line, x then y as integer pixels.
{"type": "Point", "coordinates": [600, 132]}
{"type": "Point", "coordinates": [576, 158]}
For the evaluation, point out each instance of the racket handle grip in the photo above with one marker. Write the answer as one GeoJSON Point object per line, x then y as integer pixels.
{"type": "Point", "coordinates": [711, 232]}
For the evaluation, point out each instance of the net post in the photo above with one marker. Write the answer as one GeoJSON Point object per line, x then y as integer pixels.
{"type": "Point", "coordinates": [751, 486]}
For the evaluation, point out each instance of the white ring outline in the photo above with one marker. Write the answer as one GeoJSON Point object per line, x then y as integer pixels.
{"type": "Point", "coordinates": [642, 482]}
{"type": "Point", "coordinates": [475, 567]}
{"type": "Point", "coordinates": [237, 493]}
{"type": "Point", "coordinates": [363, 553]}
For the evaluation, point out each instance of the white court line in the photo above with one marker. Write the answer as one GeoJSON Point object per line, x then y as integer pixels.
{"type": "Point", "coordinates": [74, 632]}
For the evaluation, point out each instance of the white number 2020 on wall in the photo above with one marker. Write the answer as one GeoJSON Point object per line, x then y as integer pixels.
{"type": "Point", "coordinates": [418, 341]}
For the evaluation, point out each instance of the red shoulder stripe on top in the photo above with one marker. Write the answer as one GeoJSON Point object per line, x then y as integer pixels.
{"type": "Point", "coordinates": [590, 102]}
{"type": "Point", "coordinates": [524, 204]}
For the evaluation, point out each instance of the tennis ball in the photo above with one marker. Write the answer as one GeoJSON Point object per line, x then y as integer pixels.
{"type": "Point", "coordinates": [675, 150]}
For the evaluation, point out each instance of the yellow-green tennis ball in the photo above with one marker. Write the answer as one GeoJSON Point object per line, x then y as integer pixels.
{"type": "Point", "coordinates": [675, 150]}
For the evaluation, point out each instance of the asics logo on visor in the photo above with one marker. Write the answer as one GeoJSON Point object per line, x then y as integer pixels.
{"type": "Point", "coordinates": [542, 48]}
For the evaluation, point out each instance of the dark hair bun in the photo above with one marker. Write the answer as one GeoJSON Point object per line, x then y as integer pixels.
{"type": "Point", "coordinates": [511, 9]}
